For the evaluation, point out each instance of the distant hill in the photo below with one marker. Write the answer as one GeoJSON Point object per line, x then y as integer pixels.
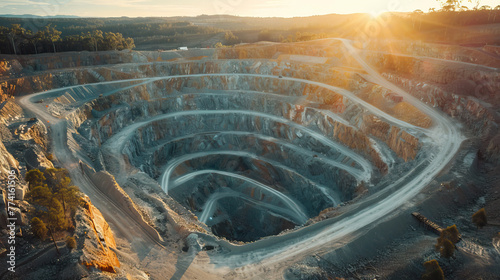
{"type": "Point", "coordinates": [154, 33]}
{"type": "Point", "coordinates": [36, 16]}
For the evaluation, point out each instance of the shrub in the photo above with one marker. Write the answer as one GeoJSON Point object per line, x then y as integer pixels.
{"type": "Point", "coordinates": [35, 178]}
{"type": "Point", "coordinates": [447, 249]}
{"type": "Point", "coordinates": [71, 242]}
{"type": "Point", "coordinates": [55, 216]}
{"type": "Point", "coordinates": [39, 195]}
{"type": "Point", "coordinates": [432, 271]}
{"type": "Point", "coordinates": [479, 218]}
{"type": "Point", "coordinates": [451, 233]}
{"type": "Point", "coordinates": [38, 228]}
{"type": "Point", "coordinates": [446, 242]}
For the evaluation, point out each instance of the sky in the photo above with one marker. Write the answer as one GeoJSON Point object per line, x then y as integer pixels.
{"type": "Point", "coordinates": [260, 8]}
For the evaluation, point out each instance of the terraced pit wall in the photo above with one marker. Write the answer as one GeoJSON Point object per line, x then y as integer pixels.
{"type": "Point", "coordinates": [457, 89]}
{"type": "Point", "coordinates": [257, 109]}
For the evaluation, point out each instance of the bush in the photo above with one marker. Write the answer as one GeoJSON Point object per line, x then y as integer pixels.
{"type": "Point", "coordinates": [479, 218]}
{"type": "Point", "coordinates": [38, 228]}
{"type": "Point", "coordinates": [432, 271]}
{"type": "Point", "coordinates": [55, 215]}
{"type": "Point", "coordinates": [451, 233]}
{"type": "Point", "coordinates": [446, 242]}
{"type": "Point", "coordinates": [40, 195]}
{"type": "Point", "coordinates": [447, 249]}
{"type": "Point", "coordinates": [230, 38]}
{"type": "Point", "coordinates": [71, 242]}
{"type": "Point", "coordinates": [35, 178]}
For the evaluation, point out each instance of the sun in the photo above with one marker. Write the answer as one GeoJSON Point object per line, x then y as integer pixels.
{"type": "Point", "coordinates": [376, 14]}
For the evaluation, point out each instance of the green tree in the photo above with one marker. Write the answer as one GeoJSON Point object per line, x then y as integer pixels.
{"type": "Point", "coordinates": [230, 38]}
{"type": "Point", "coordinates": [56, 178]}
{"type": "Point", "coordinates": [35, 178]}
{"type": "Point", "coordinates": [15, 34]}
{"type": "Point", "coordinates": [34, 39]}
{"type": "Point", "coordinates": [51, 34]}
{"type": "Point", "coordinates": [447, 249]}
{"type": "Point", "coordinates": [71, 243]}
{"type": "Point", "coordinates": [446, 242]}
{"type": "Point", "coordinates": [38, 228]}
{"type": "Point", "coordinates": [40, 195]}
{"type": "Point", "coordinates": [452, 5]}
{"type": "Point", "coordinates": [55, 215]}
{"type": "Point", "coordinates": [432, 271]}
{"type": "Point", "coordinates": [63, 183]}
{"type": "Point", "coordinates": [96, 38]}
{"type": "Point", "coordinates": [4, 37]}
{"type": "Point", "coordinates": [479, 218]}
{"type": "Point", "coordinates": [113, 41]}
{"type": "Point", "coordinates": [129, 44]}
{"type": "Point", "coordinates": [451, 233]}
{"type": "Point", "coordinates": [68, 195]}
{"type": "Point", "coordinates": [496, 9]}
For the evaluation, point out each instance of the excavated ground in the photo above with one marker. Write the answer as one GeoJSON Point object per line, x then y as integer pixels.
{"type": "Point", "coordinates": [258, 140]}
{"type": "Point", "coordinates": [249, 152]}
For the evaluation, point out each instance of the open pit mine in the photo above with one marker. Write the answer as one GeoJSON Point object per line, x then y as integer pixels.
{"type": "Point", "coordinates": [261, 161]}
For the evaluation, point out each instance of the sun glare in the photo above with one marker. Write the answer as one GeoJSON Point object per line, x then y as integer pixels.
{"type": "Point", "coordinates": [375, 15]}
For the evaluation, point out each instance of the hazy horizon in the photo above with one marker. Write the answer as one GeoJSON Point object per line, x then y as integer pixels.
{"type": "Point", "coordinates": [258, 8]}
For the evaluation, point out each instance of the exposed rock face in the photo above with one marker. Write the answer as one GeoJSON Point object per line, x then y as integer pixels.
{"type": "Point", "coordinates": [34, 158]}
{"type": "Point", "coordinates": [51, 61]}
{"type": "Point", "coordinates": [9, 67]}
{"type": "Point", "coordinates": [332, 76]}
{"type": "Point", "coordinates": [269, 51]}
{"type": "Point", "coordinates": [97, 240]}
{"type": "Point", "coordinates": [10, 111]}
{"type": "Point", "coordinates": [7, 162]}
{"type": "Point", "coordinates": [32, 79]}
{"type": "Point", "coordinates": [28, 142]}
{"type": "Point", "coordinates": [394, 105]}
{"type": "Point", "coordinates": [405, 145]}
{"type": "Point", "coordinates": [33, 129]}
{"type": "Point", "coordinates": [444, 84]}
{"type": "Point", "coordinates": [106, 182]}
{"type": "Point", "coordinates": [440, 51]}
{"type": "Point", "coordinates": [492, 154]}
{"type": "Point", "coordinates": [470, 110]}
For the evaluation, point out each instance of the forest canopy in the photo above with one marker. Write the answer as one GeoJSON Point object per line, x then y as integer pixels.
{"type": "Point", "coordinates": [18, 40]}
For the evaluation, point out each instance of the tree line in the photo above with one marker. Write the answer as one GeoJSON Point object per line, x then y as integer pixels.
{"type": "Point", "coordinates": [458, 5]}
{"type": "Point", "coordinates": [144, 31]}
{"type": "Point", "coordinates": [129, 27]}
{"type": "Point", "coordinates": [18, 40]}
